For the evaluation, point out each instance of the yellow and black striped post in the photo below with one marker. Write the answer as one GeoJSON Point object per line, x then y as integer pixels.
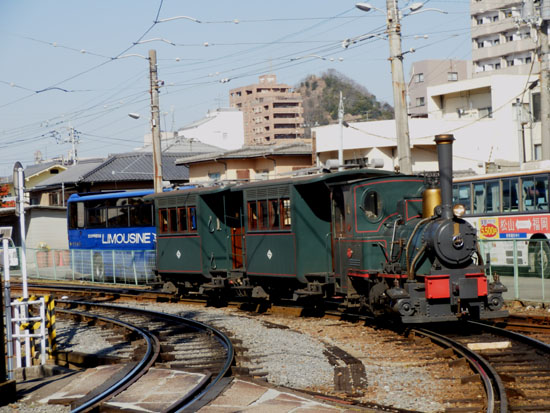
{"type": "Point", "coordinates": [50, 325]}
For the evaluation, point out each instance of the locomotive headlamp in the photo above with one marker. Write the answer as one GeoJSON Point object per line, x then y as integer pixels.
{"type": "Point", "coordinates": [459, 210]}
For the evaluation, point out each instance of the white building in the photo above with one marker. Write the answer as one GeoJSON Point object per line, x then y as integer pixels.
{"type": "Point", "coordinates": [480, 113]}
{"type": "Point", "coordinates": [221, 127]}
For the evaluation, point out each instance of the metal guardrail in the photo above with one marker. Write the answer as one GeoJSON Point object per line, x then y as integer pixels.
{"type": "Point", "coordinates": [105, 266]}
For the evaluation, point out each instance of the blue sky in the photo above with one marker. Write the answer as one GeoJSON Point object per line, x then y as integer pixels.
{"type": "Point", "coordinates": [62, 66]}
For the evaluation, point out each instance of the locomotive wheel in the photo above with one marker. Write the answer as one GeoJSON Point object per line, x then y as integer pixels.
{"type": "Point", "coordinates": [495, 302]}
{"type": "Point", "coordinates": [404, 307]}
{"type": "Point", "coordinates": [99, 268]}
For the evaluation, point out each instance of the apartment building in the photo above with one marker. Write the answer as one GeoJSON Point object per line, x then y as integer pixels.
{"type": "Point", "coordinates": [272, 112]}
{"type": "Point", "coordinates": [498, 42]}
{"type": "Point", "coordinates": [432, 72]}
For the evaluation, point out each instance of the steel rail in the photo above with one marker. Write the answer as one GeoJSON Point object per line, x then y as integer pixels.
{"type": "Point", "coordinates": [151, 353]}
{"type": "Point", "coordinates": [494, 387]}
{"type": "Point", "coordinates": [201, 390]}
{"type": "Point", "coordinates": [533, 342]}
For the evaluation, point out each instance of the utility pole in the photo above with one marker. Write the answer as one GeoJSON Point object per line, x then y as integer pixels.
{"type": "Point", "coordinates": [399, 91]}
{"type": "Point", "coordinates": [537, 17]}
{"type": "Point", "coordinates": [544, 88]}
{"type": "Point", "coordinates": [155, 122]}
{"type": "Point", "coordinates": [341, 143]}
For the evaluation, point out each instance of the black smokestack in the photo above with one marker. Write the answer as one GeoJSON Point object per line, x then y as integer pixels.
{"type": "Point", "coordinates": [445, 157]}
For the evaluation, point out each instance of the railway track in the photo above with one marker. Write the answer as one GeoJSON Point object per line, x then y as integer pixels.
{"type": "Point", "coordinates": [506, 388]}
{"type": "Point", "coordinates": [184, 353]}
{"type": "Point", "coordinates": [513, 368]}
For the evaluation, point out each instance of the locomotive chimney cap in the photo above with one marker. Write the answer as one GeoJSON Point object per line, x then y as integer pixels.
{"type": "Point", "coordinates": [444, 138]}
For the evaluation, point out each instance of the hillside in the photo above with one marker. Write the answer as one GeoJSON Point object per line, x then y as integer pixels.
{"type": "Point", "coordinates": [321, 96]}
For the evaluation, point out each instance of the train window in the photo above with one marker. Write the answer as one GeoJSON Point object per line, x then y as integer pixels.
{"type": "Point", "coordinates": [285, 211]}
{"type": "Point", "coordinates": [263, 215]}
{"type": "Point", "coordinates": [252, 215]}
{"type": "Point", "coordinates": [163, 220]}
{"type": "Point", "coordinates": [192, 218]}
{"type": "Point", "coordinates": [372, 205]}
{"type": "Point", "coordinates": [173, 220]}
{"type": "Point", "coordinates": [510, 202]}
{"type": "Point", "coordinates": [182, 219]}
{"type": "Point", "coordinates": [274, 214]}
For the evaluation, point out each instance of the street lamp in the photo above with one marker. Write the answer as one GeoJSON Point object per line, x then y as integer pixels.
{"type": "Point", "coordinates": [398, 81]}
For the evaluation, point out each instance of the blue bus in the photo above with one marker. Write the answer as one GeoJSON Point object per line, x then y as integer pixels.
{"type": "Point", "coordinates": [112, 235]}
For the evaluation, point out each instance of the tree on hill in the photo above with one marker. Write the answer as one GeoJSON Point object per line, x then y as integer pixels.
{"type": "Point", "coordinates": [321, 96]}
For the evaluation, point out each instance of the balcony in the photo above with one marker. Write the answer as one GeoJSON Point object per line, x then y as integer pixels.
{"type": "Point", "coordinates": [493, 28]}
{"type": "Point", "coordinates": [477, 7]}
{"type": "Point", "coordinates": [502, 49]}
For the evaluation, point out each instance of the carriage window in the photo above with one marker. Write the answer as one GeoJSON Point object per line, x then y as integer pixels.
{"type": "Point", "coordinates": [372, 205]}
{"type": "Point", "coordinates": [274, 212]}
{"type": "Point", "coordinates": [510, 200]}
{"type": "Point", "coordinates": [182, 219]}
{"type": "Point", "coordinates": [263, 215]}
{"type": "Point", "coordinates": [163, 220]}
{"type": "Point", "coordinates": [192, 218]}
{"type": "Point", "coordinates": [173, 220]}
{"type": "Point", "coordinates": [493, 196]}
{"type": "Point", "coordinates": [285, 204]}
{"type": "Point", "coordinates": [252, 215]}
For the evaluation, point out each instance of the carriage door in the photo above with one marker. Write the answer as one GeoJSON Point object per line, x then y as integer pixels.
{"type": "Point", "coordinates": [339, 238]}
{"type": "Point", "coordinates": [237, 250]}
{"type": "Point", "coordinates": [234, 217]}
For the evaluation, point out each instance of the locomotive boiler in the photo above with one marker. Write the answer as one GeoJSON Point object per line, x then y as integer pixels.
{"type": "Point", "coordinates": [373, 241]}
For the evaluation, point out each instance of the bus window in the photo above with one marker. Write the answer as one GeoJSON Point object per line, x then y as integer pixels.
{"type": "Point", "coordinates": [529, 196]}
{"type": "Point", "coordinates": [76, 215]}
{"type": "Point", "coordinates": [510, 200]}
{"type": "Point", "coordinates": [541, 192]}
{"type": "Point", "coordinates": [493, 196]}
{"type": "Point", "coordinates": [117, 217]}
{"type": "Point", "coordinates": [462, 196]}
{"type": "Point", "coordinates": [479, 198]}
{"type": "Point", "coordinates": [96, 218]}
{"type": "Point", "coordinates": [141, 213]}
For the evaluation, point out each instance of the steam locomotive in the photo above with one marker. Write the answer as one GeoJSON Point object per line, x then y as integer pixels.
{"type": "Point", "coordinates": [373, 241]}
